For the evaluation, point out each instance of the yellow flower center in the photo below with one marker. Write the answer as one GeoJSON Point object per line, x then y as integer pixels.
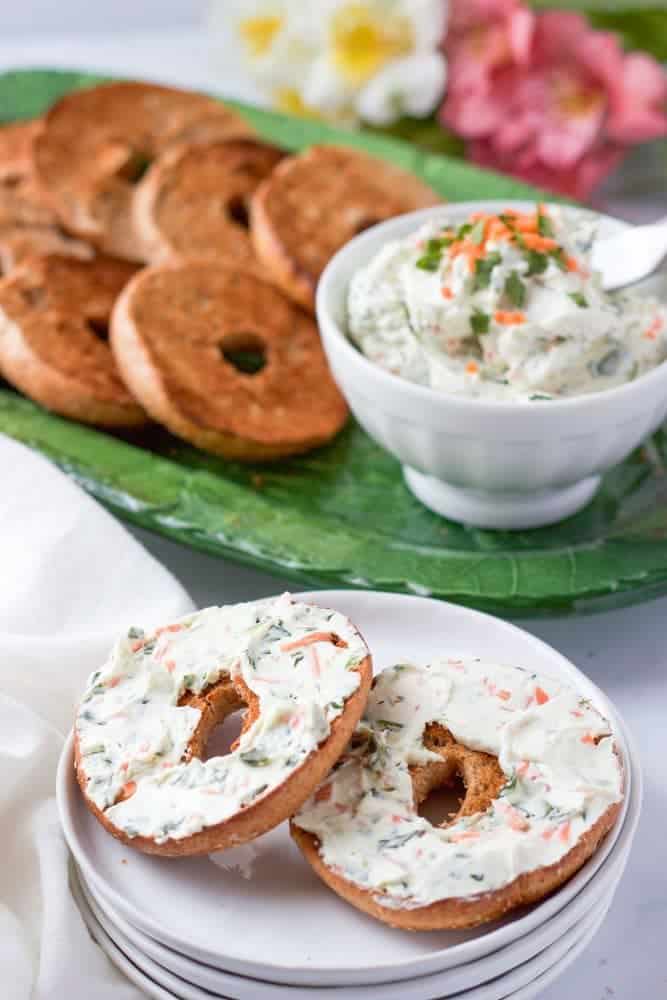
{"type": "Point", "coordinates": [574, 101]}
{"type": "Point", "coordinates": [258, 33]}
{"type": "Point", "coordinates": [289, 100]}
{"type": "Point", "coordinates": [363, 40]}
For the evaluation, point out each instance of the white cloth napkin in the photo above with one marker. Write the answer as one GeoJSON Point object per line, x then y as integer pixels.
{"type": "Point", "coordinates": [71, 578]}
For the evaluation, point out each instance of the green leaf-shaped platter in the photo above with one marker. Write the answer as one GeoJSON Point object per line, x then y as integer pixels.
{"type": "Point", "coordinates": [342, 515]}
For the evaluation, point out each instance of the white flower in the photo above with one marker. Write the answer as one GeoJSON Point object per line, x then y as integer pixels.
{"type": "Point", "coordinates": [342, 59]}
{"type": "Point", "coordinates": [410, 86]}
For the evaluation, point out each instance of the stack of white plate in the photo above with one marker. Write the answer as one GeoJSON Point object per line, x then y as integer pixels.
{"type": "Point", "coordinates": [255, 923]}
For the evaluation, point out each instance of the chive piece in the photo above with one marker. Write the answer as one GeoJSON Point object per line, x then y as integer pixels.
{"type": "Point", "coordinates": [483, 268]}
{"type": "Point", "coordinates": [479, 321]}
{"type": "Point", "coordinates": [429, 262]}
{"type": "Point", "coordinates": [477, 233]}
{"type": "Point", "coordinates": [558, 255]}
{"type": "Point", "coordinates": [476, 877]}
{"type": "Point", "coordinates": [254, 758]}
{"type": "Point", "coordinates": [544, 225]}
{"type": "Point", "coordinates": [398, 840]}
{"type": "Point", "coordinates": [463, 230]}
{"type": "Point", "coordinates": [579, 298]}
{"type": "Point", "coordinates": [537, 262]}
{"type": "Point", "coordinates": [515, 290]}
{"type": "Point", "coordinates": [388, 724]}
{"type": "Point", "coordinates": [538, 395]}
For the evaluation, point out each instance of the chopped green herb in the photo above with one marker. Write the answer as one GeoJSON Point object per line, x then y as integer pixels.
{"type": "Point", "coordinates": [477, 233]}
{"type": "Point", "coordinates": [399, 839]}
{"type": "Point", "coordinates": [463, 230]}
{"type": "Point", "coordinates": [544, 225]}
{"type": "Point", "coordinates": [188, 681]}
{"type": "Point", "coordinates": [515, 290]}
{"type": "Point", "coordinates": [539, 395]}
{"type": "Point", "coordinates": [298, 657]}
{"type": "Point", "coordinates": [255, 758]}
{"type": "Point", "coordinates": [537, 262]}
{"type": "Point", "coordinates": [336, 704]}
{"type": "Point", "coordinates": [388, 724]}
{"type": "Point", "coordinates": [510, 785]}
{"type": "Point", "coordinates": [476, 877]}
{"type": "Point", "coordinates": [483, 268]}
{"type": "Point", "coordinates": [479, 321]}
{"type": "Point", "coordinates": [429, 262]}
{"type": "Point", "coordinates": [135, 633]}
{"type": "Point", "coordinates": [579, 298]}
{"type": "Point", "coordinates": [558, 256]}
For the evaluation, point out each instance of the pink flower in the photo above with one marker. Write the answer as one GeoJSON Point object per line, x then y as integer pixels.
{"type": "Point", "coordinates": [545, 97]}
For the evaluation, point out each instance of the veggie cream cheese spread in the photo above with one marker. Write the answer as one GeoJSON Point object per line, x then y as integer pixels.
{"type": "Point", "coordinates": [132, 731]}
{"type": "Point", "coordinates": [503, 307]}
{"type": "Point", "coordinates": [556, 751]}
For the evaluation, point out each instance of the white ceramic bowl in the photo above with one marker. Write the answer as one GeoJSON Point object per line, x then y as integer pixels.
{"type": "Point", "coordinates": [488, 463]}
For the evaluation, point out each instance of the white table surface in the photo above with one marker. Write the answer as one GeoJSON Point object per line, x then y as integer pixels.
{"type": "Point", "coordinates": [623, 651]}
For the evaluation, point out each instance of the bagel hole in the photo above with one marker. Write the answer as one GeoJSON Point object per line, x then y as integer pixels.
{"type": "Point", "coordinates": [99, 329]}
{"type": "Point", "coordinates": [224, 735]}
{"type": "Point", "coordinates": [244, 351]}
{"type": "Point", "coordinates": [237, 210]}
{"type": "Point", "coordinates": [443, 802]}
{"type": "Point", "coordinates": [135, 167]}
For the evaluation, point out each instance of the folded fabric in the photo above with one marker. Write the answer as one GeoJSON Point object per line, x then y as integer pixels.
{"type": "Point", "coordinates": [71, 579]}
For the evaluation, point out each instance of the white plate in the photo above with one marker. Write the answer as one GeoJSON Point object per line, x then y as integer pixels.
{"type": "Point", "coordinates": [464, 977]}
{"type": "Point", "coordinates": [151, 977]}
{"type": "Point", "coordinates": [282, 924]}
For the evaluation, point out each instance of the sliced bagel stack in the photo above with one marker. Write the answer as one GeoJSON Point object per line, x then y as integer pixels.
{"type": "Point", "coordinates": [212, 339]}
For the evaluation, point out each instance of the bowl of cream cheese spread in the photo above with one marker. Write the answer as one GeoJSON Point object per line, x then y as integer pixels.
{"type": "Point", "coordinates": [475, 343]}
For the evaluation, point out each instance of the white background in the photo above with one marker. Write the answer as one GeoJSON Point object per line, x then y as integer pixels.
{"type": "Point", "coordinates": [623, 651]}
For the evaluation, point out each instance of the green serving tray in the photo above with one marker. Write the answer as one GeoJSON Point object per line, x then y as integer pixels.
{"type": "Point", "coordinates": [342, 515]}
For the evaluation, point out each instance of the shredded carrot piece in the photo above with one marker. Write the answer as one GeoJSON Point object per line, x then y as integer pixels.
{"type": "Point", "coordinates": [504, 695]}
{"type": "Point", "coordinates": [572, 264]}
{"type": "Point", "coordinates": [565, 832]}
{"type": "Point", "coordinates": [308, 640]}
{"type": "Point", "coordinates": [466, 835]}
{"type": "Point", "coordinates": [472, 368]}
{"type": "Point", "coordinates": [508, 318]}
{"type": "Point", "coordinates": [540, 243]}
{"type": "Point", "coordinates": [541, 697]}
{"type": "Point", "coordinates": [127, 791]}
{"type": "Point", "coordinates": [323, 794]}
{"type": "Point", "coordinates": [588, 738]}
{"type": "Point", "coordinates": [447, 293]}
{"type": "Point", "coordinates": [654, 329]}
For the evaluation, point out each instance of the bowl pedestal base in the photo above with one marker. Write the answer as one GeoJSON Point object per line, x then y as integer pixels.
{"type": "Point", "coordinates": [502, 510]}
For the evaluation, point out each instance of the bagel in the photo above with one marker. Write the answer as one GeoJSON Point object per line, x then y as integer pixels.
{"type": "Point", "coordinates": [16, 149]}
{"type": "Point", "coordinates": [18, 243]}
{"type": "Point", "coordinates": [543, 780]}
{"type": "Point", "coordinates": [53, 312]}
{"type": "Point", "coordinates": [175, 332]}
{"type": "Point", "coordinates": [96, 143]}
{"type": "Point", "coordinates": [27, 225]}
{"type": "Point", "coordinates": [303, 674]}
{"type": "Point", "coordinates": [194, 200]}
{"type": "Point", "coordinates": [312, 204]}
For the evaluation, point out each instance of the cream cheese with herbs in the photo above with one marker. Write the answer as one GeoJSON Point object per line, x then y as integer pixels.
{"type": "Point", "coordinates": [556, 751]}
{"type": "Point", "coordinates": [503, 307]}
{"type": "Point", "coordinates": [133, 734]}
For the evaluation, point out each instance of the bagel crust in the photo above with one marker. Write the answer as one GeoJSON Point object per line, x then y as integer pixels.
{"type": "Point", "coordinates": [543, 781]}
{"type": "Point", "coordinates": [313, 203]}
{"type": "Point", "coordinates": [303, 674]}
{"type": "Point", "coordinates": [194, 200]}
{"type": "Point", "coordinates": [169, 332]}
{"type": "Point", "coordinates": [52, 312]}
{"type": "Point", "coordinates": [95, 143]}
